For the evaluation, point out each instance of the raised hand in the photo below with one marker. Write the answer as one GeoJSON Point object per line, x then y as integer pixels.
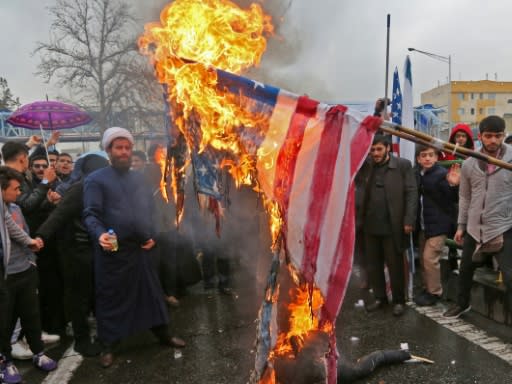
{"type": "Point", "coordinates": [453, 175]}
{"type": "Point", "coordinates": [54, 139]}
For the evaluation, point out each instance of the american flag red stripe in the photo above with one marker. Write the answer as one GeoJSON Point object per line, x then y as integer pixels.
{"type": "Point", "coordinates": [287, 157]}
{"type": "Point", "coordinates": [306, 162]}
{"type": "Point", "coordinates": [322, 181]}
{"type": "Point", "coordinates": [314, 178]}
{"type": "Point", "coordinates": [342, 263]}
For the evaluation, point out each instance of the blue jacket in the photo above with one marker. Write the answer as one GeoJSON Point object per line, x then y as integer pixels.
{"type": "Point", "coordinates": [438, 202]}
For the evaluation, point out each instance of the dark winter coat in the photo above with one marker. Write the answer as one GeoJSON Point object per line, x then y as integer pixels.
{"type": "Point", "coordinates": [33, 202]}
{"type": "Point", "coordinates": [67, 214]}
{"type": "Point", "coordinates": [439, 202]}
{"type": "Point", "coordinates": [401, 196]}
{"type": "Point", "coordinates": [129, 297]}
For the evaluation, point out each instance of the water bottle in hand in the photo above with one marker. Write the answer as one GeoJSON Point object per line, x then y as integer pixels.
{"type": "Point", "coordinates": [113, 240]}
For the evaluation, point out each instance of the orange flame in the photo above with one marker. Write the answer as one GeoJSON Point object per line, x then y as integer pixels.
{"type": "Point", "coordinates": [304, 309]}
{"type": "Point", "coordinates": [160, 158]}
{"type": "Point", "coordinates": [192, 37]}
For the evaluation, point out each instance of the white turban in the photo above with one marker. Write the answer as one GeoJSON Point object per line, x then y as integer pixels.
{"type": "Point", "coordinates": [115, 133]}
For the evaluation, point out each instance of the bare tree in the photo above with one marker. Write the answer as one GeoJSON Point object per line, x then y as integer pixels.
{"type": "Point", "coordinates": [92, 52]}
{"type": "Point", "coordinates": [7, 100]}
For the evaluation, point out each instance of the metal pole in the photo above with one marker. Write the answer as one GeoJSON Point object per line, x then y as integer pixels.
{"type": "Point", "coordinates": [445, 59]}
{"type": "Point", "coordinates": [449, 91]}
{"type": "Point", "coordinates": [385, 116]}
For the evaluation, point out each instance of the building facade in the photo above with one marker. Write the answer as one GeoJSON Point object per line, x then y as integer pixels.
{"type": "Point", "coordinates": [471, 101]}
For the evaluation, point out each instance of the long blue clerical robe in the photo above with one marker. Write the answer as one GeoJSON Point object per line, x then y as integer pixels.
{"type": "Point", "coordinates": [129, 297]}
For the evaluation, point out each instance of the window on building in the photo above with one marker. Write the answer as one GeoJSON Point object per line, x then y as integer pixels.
{"type": "Point", "coordinates": [481, 95]}
{"type": "Point", "coordinates": [461, 111]}
{"type": "Point", "coordinates": [509, 101]}
{"type": "Point", "coordinates": [461, 96]}
{"type": "Point", "coordinates": [472, 96]}
{"type": "Point", "coordinates": [481, 111]}
{"type": "Point", "coordinates": [472, 111]}
{"type": "Point", "coordinates": [492, 96]}
{"type": "Point", "coordinates": [491, 111]}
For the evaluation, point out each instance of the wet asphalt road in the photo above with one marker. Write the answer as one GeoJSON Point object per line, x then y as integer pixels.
{"type": "Point", "coordinates": [220, 332]}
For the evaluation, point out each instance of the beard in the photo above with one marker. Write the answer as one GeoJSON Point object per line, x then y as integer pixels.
{"type": "Point", "coordinates": [120, 163]}
{"type": "Point", "coordinates": [383, 159]}
{"type": "Point", "coordinates": [492, 149]}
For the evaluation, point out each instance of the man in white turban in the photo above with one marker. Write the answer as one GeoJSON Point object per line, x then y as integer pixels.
{"type": "Point", "coordinates": [129, 297]}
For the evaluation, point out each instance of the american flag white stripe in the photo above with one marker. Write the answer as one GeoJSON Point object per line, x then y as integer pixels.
{"type": "Point", "coordinates": [337, 204]}
{"type": "Point", "coordinates": [274, 138]}
{"type": "Point", "coordinates": [300, 194]}
{"type": "Point", "coordinates": [306, 163]}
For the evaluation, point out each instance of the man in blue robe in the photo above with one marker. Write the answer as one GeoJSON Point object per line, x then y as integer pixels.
{"type": "Point", "coordinates": [129, 297]}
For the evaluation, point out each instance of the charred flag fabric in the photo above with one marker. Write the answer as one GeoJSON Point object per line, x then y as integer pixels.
{"type": "Point", "coordinates": [307, 160]}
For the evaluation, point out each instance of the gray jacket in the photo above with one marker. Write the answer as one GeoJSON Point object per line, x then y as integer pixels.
{"type": "Point", "coordinates": [485, 200]}
{"type": "Point", "coordinates": [10, 230]}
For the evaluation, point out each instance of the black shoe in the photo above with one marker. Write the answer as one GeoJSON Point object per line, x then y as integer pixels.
{"type": "Point", "coordinates": [376, 305]}
{"type": "Point", "coordinates": [398, 309]}
{"type": "Point", "coordinates": [227, 291]}
{"type": "Point", "coordinates": [174, 341]}
{"type": "Point", "coordinates": [86, 348]}
{"type": "Point", "coordinates": [106, 359]}
{"type": "Point", "coordinates": [426, 299]}
{"type": "Point", "coordinates": [455, 311]}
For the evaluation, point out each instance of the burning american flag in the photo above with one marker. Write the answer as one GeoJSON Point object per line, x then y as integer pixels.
{"type": "Point", "coordinates": [302, 154]}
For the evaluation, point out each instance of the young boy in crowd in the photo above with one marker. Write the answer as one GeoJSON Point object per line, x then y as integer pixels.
{"type": "Point", "coordinates": [21, 285]}
{"type": "Point", "coordinates": [437, 190]}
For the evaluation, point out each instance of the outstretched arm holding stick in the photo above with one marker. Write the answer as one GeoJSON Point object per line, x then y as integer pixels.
{"type": "Point", "coordinates": [425, 139]}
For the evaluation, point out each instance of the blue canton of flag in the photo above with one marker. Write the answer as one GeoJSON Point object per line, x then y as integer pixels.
{"type": "Point", "coordinates": [396, 102]}
{"type": "Point", "coordinates": [206, 173]}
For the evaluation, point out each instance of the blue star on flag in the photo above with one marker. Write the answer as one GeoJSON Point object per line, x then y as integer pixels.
{"type": "Point", "coordinates": [396, 101]}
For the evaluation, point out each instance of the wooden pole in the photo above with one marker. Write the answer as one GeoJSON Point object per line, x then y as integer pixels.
{"type": "Point", "coordinates": [423, 138]}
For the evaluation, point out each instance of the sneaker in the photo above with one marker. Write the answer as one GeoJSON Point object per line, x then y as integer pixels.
{"type": "Point", "coordinates": [43, 362]}
{"type": "Point", "coordinates": [426, 299]}
{"type": "Point", "coordinates": [455, 311]}
{"type": "Point", "coordinates": [21, 351]}
{"type": "Point", "coordinates": [9, 373]}
{"type": "Point", "coordinates": [47, 338]}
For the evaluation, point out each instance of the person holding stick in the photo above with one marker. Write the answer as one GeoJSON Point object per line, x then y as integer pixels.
{"type": "Point", "coordinates": [388, 213]}
{"type": "Point", "coordinates": [485, 213]}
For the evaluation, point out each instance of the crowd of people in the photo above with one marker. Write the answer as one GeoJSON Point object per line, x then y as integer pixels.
{"type": "Point", "coordinates": [397, 201]}
{"type": "Point", "coordinates": [84, 242]}
{"type": "Point", "coordinates": [95, 238]}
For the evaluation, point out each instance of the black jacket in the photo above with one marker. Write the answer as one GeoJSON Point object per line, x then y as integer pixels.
{"type": "Point", "coordinates": [33, 202]}
{"type": "Point", "coordinates": [439, 202]}
{"type": "Point", "coordinates": [67, 214]}
{"type": "Point", "coordinates": [401, 196]}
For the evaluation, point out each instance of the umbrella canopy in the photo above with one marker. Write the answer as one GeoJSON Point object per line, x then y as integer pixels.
{"type": "Point", "coordinates": [49, 115]}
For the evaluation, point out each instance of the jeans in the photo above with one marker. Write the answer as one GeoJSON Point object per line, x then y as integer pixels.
{"type": "Point", "coordinates": [467, 269]}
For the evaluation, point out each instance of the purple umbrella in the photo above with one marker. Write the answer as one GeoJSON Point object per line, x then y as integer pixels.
{"type": "Point", "coordinates": [49, 115]}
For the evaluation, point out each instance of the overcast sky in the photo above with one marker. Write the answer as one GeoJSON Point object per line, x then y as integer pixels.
{"type": "Point", "coordinates": [332, 50]}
